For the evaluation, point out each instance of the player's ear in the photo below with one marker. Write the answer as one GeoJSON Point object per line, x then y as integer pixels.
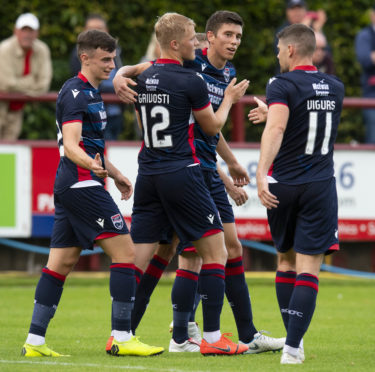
{"type": "Point", "coordinates": [210, 36]}
{"type": "Point", "coordinates": [84, 58]}
{"type": "Point", "coordinates": [174, 44]}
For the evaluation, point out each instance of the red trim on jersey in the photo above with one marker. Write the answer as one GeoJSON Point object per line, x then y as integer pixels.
{"type": "Point", "coordinates": [83, 174]}
{"type": "Point", "coordinates": [270, 171]}
{"type": "Point", "coordinates": [202, 108]}
{"type": "Point", "coordinates": [142, 146]}
{"type": "Point", "coordinates": [285, 280]}
{"type": "Point", "coordinates": [191, 143]}
{"type": "Point", "coordinates": [211, 232]}
{"type": "Point", "coordinates": [160, 259]}
{"type": "Point", "coordinates": [278, 103]}
{"type": "Point", "coordinates": [307, 284]}
{"type": "Point", "coordinates": [204, 51]}
{"type": "Point", "coordinates": [72, 121]}
{"type": "Point", "coordinates": [334, 247]}
{"type": "Point", "coordinates": [82, 77]}
{"type": "Point", "coordinates": [167, 61]}
{"type": "Point", "coordinates": [186, 274]}
{"type": "Point", "coordinates": [306, 68]}
{"type": "Point", "coordinates": [230, 271]}
{"type": "Point", "coordinates": [54, 274]}
{"type": "Point", "coordinates": [123, 265]}
{"type": "Point", "coordinates": [234, 260]}
{"type": "Point", "coordinates": [106, 235]}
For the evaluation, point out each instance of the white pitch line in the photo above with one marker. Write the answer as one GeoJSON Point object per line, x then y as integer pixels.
{"type": "Point", "coordinates": [93, 365]}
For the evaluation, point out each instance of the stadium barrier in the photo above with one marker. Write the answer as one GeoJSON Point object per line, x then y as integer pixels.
{"type": "Point", "coordinates": [246, 243]}
{"type": "Point", "coordinates": [237, 112]}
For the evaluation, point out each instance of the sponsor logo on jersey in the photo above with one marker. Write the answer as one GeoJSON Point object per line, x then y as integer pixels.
{"type": "Point", "coordinates": [152, 82]}
{"type": "Point", "coordinates": [100, 221]}
{"type": "Point", "coordinates": [117, 221]}
{"type": "Point", "coordinates": [75, 92]}
{"type": "Point", "coordinates": [321, 88]}
{"type": "Point", "coordinates": [211, 218]}
{"type": "Point", "coordinates": [226, 74]}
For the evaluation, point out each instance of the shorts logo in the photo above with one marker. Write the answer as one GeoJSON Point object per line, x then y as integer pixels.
{"type": "Point", "coordinates": [211, 218]}
{"type": "Point", "coordinates": [100, 221]}
{"type": "Point", "coordinates": [117, 221]}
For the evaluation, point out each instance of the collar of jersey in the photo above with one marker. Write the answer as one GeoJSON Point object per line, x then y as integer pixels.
{"type": "Point", "coordinates": [82, 77]}
{"type": "Point", "coordinates": [164, 61]}
{"type": "Point", "coordinates": [204, 51]}
{"type": "Point", "coordinates": [306, 68]}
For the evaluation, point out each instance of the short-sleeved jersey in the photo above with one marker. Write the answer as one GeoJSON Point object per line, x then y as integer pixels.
{"type": "Point", "coordinates": [79, 101]}
{"type": "Point", "coordinates": [167, 94]}
{"type": "Point", "coordinates": [217, 81]}
{"type": "Point", "coordinates": [315, 103]}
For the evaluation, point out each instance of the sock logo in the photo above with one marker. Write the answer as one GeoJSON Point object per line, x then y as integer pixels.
{"type": "Point", "coordinates": [204, 297]}
{"type": "Point", "coordinates": [292, 312]}
{"type": "Point", "coordinates": [174, 306]}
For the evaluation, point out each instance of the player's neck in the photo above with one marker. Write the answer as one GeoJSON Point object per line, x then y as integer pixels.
{"type": "Point", "coordinates": [90, 77]}
{"type": "Point", "coordinates": [215, 60]}
{"type": "Point", "coordinates": [170, 55]}
{"type": "Point", "coordinates": [300, 62]}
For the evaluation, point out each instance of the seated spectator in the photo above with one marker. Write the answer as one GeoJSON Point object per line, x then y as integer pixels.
{"type": "Point", "coordinates": [25, 67]}
{"type": "Point", "coordinates": [115, 117]}
{"type": "Point", "coordinates": [322, 57]}
{"type": "Point", "coordinates": [365, 51]}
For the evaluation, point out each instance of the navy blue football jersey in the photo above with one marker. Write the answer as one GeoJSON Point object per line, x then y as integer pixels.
{"type": "Point", "coordinates": [79, 101]}
{"type": "Point", "coordinates": [167, 94]}
{"type": "Point", "coordinates": [315, 103]}
{"type": "Point", "coordinates": [217, 81]}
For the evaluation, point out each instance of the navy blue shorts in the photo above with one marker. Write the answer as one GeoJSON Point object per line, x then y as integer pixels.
{"type": "Point", "coordinates": [306, 218]}
{"type": "Point", "coordinates": [178, 199]}
{"type": "Point", "coordinates": [82, 215]}
{"type": "Point", "coordinates": [220, 197]}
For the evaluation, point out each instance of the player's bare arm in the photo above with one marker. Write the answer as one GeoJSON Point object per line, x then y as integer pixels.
{"type": "Point", "coordinates": [258, 114]}
{"type": "Point", "coordinates": [212, 122]}
{"type": "Point", "coordinates": [122, 183]}
{"type": "Point", "coordinates": [269, 147]}
{"type": "Point", "coordinates": [238, 194]}
{"type": "Point", "coordinates": [122, 80]}
{"type": "Point", "coordinates": [72, 136]}
{"type": "Point", "coordinates": [238, 173]}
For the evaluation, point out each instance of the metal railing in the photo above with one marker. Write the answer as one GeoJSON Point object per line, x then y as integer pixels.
{"type": "Point", "coordinates": [237, 112]}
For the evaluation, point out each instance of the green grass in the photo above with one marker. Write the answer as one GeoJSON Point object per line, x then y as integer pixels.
{"type": "Point", "coordinates": [341, 336]}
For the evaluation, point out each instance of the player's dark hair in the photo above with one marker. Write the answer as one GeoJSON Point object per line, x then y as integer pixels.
{"type": "Point", "coordinates": [93, 39]}
{"type": "Point", "coordinates": [221, 17]}
{"type": "Point", "coordinates": [301, 36]}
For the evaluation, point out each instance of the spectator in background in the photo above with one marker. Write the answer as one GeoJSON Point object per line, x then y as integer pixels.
{"type": "Point", "coordinates": [25, 67]}
{"type": "Point", "coordinates": [153, 50]}
{"type": "Point", "coordinates": [322, 57]}
{"type": "Point", "coordinates": [365, 51]}
{"type": "Point", "coordinates": [115, 117]}
{"type": "Point", "coordinates": [202, 39]}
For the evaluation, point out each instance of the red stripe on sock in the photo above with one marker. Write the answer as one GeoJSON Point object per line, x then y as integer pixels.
{"type": "Point", "coordinates": [124, 265]}
{"type": "Point", "coordinates": [307, 284]}
{"type": "Point", "coordinates": [161, 260]}
{"type": "Point", "coordinates": [186, 274]}
{"type": "Point", "coordinates": [154, 271]}
{"type": "Point", "coordinates": [285, 280]}
{"type": "Point", "coordinates": [213, 266]}
{"type": "Point", "coordinates": [234, 270]}
{"type": "Point", "coordinates": [54, 274]}
{"type": "Point", "coordinates": [234, 260]}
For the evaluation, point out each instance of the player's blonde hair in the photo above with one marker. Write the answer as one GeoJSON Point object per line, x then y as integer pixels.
{"type": "Point", "coordinates": [171, 26]}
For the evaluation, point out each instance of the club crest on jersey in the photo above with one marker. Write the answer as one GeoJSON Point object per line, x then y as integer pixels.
{"type": "Point", "coordinates": [226, 74]}
{"type": "Point", "coordinates": [117, 221]}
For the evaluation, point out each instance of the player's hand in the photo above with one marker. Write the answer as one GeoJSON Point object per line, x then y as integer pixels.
{"type": "Point", "coordinates": [236, 91]}
{"type": "Point", "coordinates": [238, 194]}
{"type": "Point", "coordinates": [97, 167]}
{"type": "Point", "coordinates": [258, 114]}
{"type": "Point", "coordinates": [122, 89]}
{"type": "Point", "coordinates": [239, 174]}
{"type": "Point", "coordinates": [266, 198]}
{"type": "Point", "coordinates": [124, 186]}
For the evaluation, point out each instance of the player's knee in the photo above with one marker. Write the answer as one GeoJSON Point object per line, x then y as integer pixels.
{"type": "Point", "coordinates": [234, 249]}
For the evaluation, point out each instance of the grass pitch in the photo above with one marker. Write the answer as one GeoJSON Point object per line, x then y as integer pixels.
{"type": "Point", "coordinates": [341, 336]}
